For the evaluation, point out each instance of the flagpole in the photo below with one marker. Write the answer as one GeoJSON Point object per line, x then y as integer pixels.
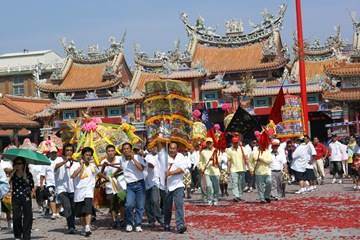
{"type": "Point", "coordinates": [301, 54]}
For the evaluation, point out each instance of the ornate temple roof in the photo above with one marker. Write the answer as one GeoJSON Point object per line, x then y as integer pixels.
{"type": "Point", "coordinates": [13, 116]}
{"type": "Point", "coordinates": [343, 95]}
{"type": "Point", "coordinates": [244, 59]}
{"type": "Point", "coordinates": [236, 51]}
{"type": "Point", "coordinates": [159, 59]}
{"type": "Point", "coordinates": [235, 36]}
{"type": "Point", "coordinates": [25, 105]}
{"type": "Point", "coordinates": [343, 69]}
{"type": "Point", "coordinates": [91, 71]}
{"type": "Point", "coordinates": [288, 89]}
{"type": "Point", "coordinates": [90, 103]}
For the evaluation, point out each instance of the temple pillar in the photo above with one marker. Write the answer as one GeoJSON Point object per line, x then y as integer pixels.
{"type": "Point", "coordinates": [195, 90]}
{"type": "Point", "coordinates": [235, 102]}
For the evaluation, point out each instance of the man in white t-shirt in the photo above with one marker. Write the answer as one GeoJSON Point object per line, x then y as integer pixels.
{"type": "Point", "coordinates": [152, 183]}
{"type": "Point", "coordinates": [84, 175]}
{"type": "Point", "coordinates": [175, 189]}
{"type": "Point", "coordinates": [133, 167]}
{"type": "Point", "coordinates": [111, 166]}
{"type": "Point", "coordinates": [65, 186]}
{"type": "Point", "coordinates": [336, 157]}
{"type": "Point", "coordinates": [278, 166]}
{"type": "Point", "coordinates": [50, 183]}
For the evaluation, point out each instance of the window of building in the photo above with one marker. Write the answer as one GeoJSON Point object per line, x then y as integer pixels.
{"type": "Point", "coordinates": [313, 98]}
{"type": "Point", "coordinates": [115, 112]}
{"type": "Point", "coordinates": [210, 95]}
{"type": "Point", "coordinates": [18, 86]}
{"type": "Point", "coordinates": [262, 102]}
{"type": "Point", "coordinates": [69, 114]}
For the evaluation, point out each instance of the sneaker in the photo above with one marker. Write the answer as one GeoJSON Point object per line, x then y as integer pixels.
{"type": "Point", "coordinates": [268, 200]}
{"type": "Point", "coordinates": [333, 181]}
{"type": "Point", "coordinates": [70, 231]}
{"type": "Point", "coordinates": [215, 203]}
{"type": "Point", "coordinates": [129, 228]}
{"type": "Point", "coordinates": [340, 181]}
{"type": "Point", "coordinates": [210, 203]}
{"type": "Point", "coordinates": [300, 191]}
{"type": "Point", "coordinates": [87, 233]}
{"type": "Point", "coordinates": [53, 217]}
{"type": "Point", "coordinates": [181, 229]}
{"type": "Point", "coordinates": [138, 229]}
{"type": "Point", "coordinates": [167, 228]}
{"type": "Point", "coordinates": [246, 189]}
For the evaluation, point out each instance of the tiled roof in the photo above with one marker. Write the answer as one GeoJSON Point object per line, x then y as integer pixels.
{"type": "Point", "coordinates": [232, 89]}
{"type": "Point", "coordinates": [142, 77]}
{"type": "Point", "coordinates": [212, 85]}
{"type": "Point", "coordinates": [343, 95]}
{"type": "Point", "coordinates": [240, 59]}
{"type": "Point", "coordinates": [88, 103]}
{"type": "Point", "coordinates": [89, 76]}
{"type": "Point", "coordinates": [9, 132]}
{"type": "Point", "coordinates": [136, 95]}
{"type": "Point", "coordinates": [12, 119]}
{"type": "Point", "coordinates": [26, 105]}
{"type": "Point", "coordinates": [313, 68]}
{"type": "Point", "coordinates": [81, 77]}
{"type": "Point", "coordinates": [291, 89]}
{"type": "Point", "coordinates": [192, 73]}
{"type": "Point", "coordinates": [344, 69]}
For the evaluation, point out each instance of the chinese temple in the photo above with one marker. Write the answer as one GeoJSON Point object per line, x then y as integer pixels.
{"type": "Point", "coordinates": [16, 118]}
{"type": "Point", "coordinates": [97, 82]}
{"type": "Point", "coordinates": [343, 88]}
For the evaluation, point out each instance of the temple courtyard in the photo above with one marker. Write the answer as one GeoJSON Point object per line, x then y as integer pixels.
{"type": "Point", "coordinates": [331, 212]}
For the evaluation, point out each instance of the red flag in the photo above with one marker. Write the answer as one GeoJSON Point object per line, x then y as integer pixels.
{"type": "Point", "coordinates": [275, 113]}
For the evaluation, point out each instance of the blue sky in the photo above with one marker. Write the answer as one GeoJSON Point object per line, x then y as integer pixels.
{"type": "Point", "coordinates": [154, 24]}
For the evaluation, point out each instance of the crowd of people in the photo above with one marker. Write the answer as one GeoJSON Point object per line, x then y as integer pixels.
{"type": "Point", "coordinates": [152, 180]}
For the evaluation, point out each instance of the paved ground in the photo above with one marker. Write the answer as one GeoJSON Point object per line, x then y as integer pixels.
{"type": "Point", "coordinates": [332, 212]}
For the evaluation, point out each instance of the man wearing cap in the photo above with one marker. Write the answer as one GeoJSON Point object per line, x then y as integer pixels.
{"type": "Point", "coordinates": [210, 168]}
{"type": "Point", "coordinates": [237, 162]}
{"type": "Point", "coordinates": [278, 165]}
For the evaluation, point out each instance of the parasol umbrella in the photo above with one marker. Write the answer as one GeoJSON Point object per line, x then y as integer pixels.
{"type": "Point", "coordinates": [242, 122]}
{"type": "Point", "coordinates": [30, 156]}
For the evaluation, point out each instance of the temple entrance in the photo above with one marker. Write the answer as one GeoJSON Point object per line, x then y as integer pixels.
{"type": "Point", "coordinates": [318, 120]}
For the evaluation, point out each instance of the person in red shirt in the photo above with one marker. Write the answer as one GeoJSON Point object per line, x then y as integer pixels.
{"type": "Point", "coordinates": [321, 153]}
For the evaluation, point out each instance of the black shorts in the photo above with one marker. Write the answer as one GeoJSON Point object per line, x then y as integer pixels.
{"type": "Point", "coordinates": [299, 176]}
{"type": "Point", "coordinates": [50, 193]}
{"type": "Point", "coordinates": [310, 175]}
{"type": "Point", "coordinates": [113, 201]}
{"type": "Point", "coordinates": [84, 208]}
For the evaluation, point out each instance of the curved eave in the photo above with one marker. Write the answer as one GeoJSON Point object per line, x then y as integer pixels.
{"type": "Point", "coordinates": [51, 88]}
{"type": "Point", "coordinates": [267, 67]}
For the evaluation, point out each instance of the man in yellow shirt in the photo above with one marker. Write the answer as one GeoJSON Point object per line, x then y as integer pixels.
{"type": "Point", "coordinates": [209, 166]}
{"type": "Point", "coordinates": [260, 166]}
{"type": "Point", "coordinates": [236, 167]}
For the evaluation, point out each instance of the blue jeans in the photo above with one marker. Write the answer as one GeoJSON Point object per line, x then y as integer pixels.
{"type": "Point", "coordinates": [238, 181]}
{"type": "Point", "coordinates": [135, 198]}
{"type": "Point", "coordinates": [263, 185]}
{"type": "Point", "coordinates": [212, 186]}
{"type": "Point", "coordinates": [178, 197]}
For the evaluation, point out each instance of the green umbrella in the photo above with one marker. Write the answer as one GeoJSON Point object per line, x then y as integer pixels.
{"type": "Point", "coordinates": [30, 156]}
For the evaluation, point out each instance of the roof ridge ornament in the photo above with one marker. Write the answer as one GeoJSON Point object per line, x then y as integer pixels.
{"type": "Point", "coordinates": [62, 97]}
{"type": "Point", "coordinates": [209, 36]}
{"type": "Point", "coordinates": [93, 55]}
